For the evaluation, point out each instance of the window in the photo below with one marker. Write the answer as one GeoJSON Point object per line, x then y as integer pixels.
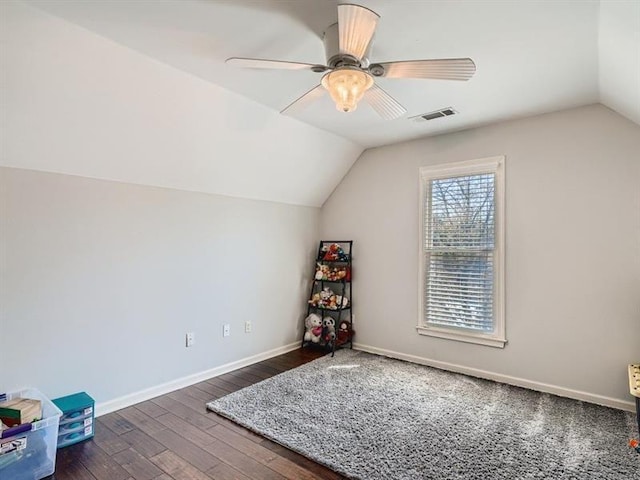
{"type": "Point", "coordinates": [462, 251]}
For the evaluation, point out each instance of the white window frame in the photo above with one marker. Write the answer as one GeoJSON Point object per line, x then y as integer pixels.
{"type": "Point", "coordinates": [494, 165]}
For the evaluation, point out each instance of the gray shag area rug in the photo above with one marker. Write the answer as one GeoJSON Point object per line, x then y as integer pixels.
{"type": "Point", "coordinates": [371, 417]}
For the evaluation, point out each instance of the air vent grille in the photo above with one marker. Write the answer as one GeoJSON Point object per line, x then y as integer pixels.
{"type": "Point", "coordinates": [443, 112]}
{"type": "Point", "coordinates": [432, 116]}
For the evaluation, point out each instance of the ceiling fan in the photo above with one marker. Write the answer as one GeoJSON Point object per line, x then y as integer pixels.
{"type": "Point", "coordinates": [349, 76]}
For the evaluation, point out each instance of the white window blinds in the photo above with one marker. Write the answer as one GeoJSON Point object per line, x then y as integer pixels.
{"type": "Point", "coordinates": [459, 252]}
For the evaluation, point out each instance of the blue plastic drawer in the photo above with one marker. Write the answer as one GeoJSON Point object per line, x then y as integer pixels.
{"type": "Point", "coordinates": [77, 421]}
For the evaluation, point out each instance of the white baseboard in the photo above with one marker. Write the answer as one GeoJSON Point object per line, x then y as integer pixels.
{"type": "Point", "coordinates": [498, 377]}
{"type": "Point", "coordinates": [136, 397]}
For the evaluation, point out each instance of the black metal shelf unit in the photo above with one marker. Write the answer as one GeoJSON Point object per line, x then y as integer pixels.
{"type": "Point", "coordinates": [333, 268]}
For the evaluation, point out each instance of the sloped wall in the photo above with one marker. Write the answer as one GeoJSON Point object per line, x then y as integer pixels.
{"type": "Point", "coordinates": [76, 103]}
{"type": "Point", "coordinates": [572, 250]}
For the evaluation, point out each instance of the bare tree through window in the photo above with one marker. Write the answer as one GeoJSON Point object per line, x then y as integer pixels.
{"type": "Point", "coordinates": [460, 237]}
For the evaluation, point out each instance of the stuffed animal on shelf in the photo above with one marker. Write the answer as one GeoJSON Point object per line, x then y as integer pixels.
{"type": "Point", "coordinates": [315, 300]}
{"type": "Point", "coordinates": [335, 274]}
{"type": "Point", "coordinates": [345, 333]}
{"type": "Point", "coordinates": [322, 299]}
{"type": "Point", "coordinates": [334, 253]}
{"type": "Point", "coordinates": [322, 272]}
{"type": "Point", "coordinates": [341, 302]}
{"type": "Point", "coordinates": [327, 299]}
{"type": "Point", "coordinates": [332, 302]}
{"type": "Point", "coordinates": [313, 328]}
{"type": "Point", "coordinates": [326, 294]}
{"type": "Point", "coordinates": [316, 329]}
{"type": "Point", "coordinates": [329, 329]}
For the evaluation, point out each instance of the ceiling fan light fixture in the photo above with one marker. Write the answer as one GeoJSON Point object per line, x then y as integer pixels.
{"type": "Point", "coordinates": [347, 86]}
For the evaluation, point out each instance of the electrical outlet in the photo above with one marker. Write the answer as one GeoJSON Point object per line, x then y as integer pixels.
{"type": "Point", "coordinates": [191, 339]}
{"type": "Point", "coordinates": [226, 330]}
{"type": "Point", "coordinates": [247, 326]}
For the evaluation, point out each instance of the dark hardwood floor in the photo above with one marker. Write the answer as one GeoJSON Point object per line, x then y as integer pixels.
{"type": "Point", "coordinates": [175, 437]}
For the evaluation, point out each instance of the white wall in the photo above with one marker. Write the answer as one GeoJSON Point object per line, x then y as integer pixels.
{"type": "Point", "coordinates": [100, 281]}
{"type": "Point", "coordinates": [619, 56]}
{"type": "Point", "coordinates": [572, 248]}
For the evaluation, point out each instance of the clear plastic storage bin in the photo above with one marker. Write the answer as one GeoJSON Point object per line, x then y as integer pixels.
{"type": "Point", "coordinates": [31, 455]}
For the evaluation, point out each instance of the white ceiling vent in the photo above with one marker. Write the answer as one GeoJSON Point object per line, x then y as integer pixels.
{"type": "Point", "coordinates": [443, 112]}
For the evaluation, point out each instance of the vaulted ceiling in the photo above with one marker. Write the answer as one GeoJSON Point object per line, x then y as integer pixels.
{"type": "Point", "coordinates": [531, 56]}
{"type": "Point", "coordinates": [152, 76]}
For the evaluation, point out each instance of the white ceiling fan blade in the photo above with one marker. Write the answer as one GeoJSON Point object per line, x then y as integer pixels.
{"type": "Point", "coordinates": [445, 69]}
{"type": "Point", "coordinates": [356, 26]}
{"type": "Point", "coordinates": [383, 103]}
{"type": "Point", "coordinates": [304, 101]}
{"type": "Point", "coordinates": [273, 64]}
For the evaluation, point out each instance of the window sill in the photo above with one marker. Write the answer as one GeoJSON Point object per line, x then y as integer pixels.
{"type": "Point", "coordinates": [462, 336]}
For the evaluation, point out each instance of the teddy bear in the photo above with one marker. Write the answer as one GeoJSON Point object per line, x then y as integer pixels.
{"type": "Point", "coordinates": [329, 329]}
{"type": "Point", "coordinates": [345, 333]}
{"type": "Point", "coordinates": [313, 326]}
